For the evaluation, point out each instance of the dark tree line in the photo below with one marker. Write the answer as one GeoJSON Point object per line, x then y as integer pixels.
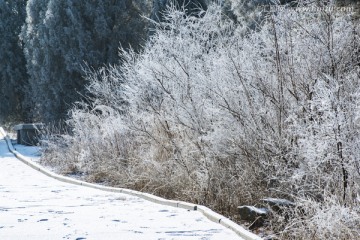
{"type": "Point", "coordinates": [61, 38]}
{"type": "Point", "coordinates": [13, 77]}
{"type": "Point", "coordinates": [46, 45]}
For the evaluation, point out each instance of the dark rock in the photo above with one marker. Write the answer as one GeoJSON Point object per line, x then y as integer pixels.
{"type": "Point", "coordinates": [251, 213]}
{"type": "Point", "coordinates": [254, 215]}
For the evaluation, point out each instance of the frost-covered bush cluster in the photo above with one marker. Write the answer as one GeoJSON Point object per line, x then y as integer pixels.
{"type": "Point", "coordinates": [311, 219]}
{"type": "Point", "coordinates": [207, 114]}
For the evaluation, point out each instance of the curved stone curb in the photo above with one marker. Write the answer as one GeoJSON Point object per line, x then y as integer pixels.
{"type": "Point", "coordinates": [208, 213]}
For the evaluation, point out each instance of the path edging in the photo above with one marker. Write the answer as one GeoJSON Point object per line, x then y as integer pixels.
{"type": "Point", "coordinates": [208, 213]}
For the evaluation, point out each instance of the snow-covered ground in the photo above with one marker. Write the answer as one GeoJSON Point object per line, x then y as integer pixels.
{"type": "Point", "coordinates": [30, 152]}
{"type": "Point", "coordinates": [34, 206]}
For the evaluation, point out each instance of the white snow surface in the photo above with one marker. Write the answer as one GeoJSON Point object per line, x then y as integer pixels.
{"type": "Point", "coordinates": [34, 206]}
{"type": "Point", "coordinates": [258, 210]}
{"type": "Point", "coordinates": [31, 152]}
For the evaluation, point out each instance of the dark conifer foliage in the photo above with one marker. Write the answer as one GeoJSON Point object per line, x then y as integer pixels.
{"type": "Point", "coordinates": [13, 76]}
{"type": "Point", "coordinates": [62, 37]}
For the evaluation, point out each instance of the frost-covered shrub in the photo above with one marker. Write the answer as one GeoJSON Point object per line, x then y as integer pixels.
{"type": "Point", "coordinates": [314, 220]}
{"type": "Point", "coordinates": [207, 114]}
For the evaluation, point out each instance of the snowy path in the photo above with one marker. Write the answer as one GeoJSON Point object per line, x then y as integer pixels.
{"type": "Point", "coordinates": [34, 206]}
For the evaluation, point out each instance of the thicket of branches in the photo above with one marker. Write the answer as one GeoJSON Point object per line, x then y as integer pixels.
{"type": "Point", "coordinates": [209, 114]}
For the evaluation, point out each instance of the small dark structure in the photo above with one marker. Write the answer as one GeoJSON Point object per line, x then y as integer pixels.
{"type": "Point", "coordinates": [28, 134]}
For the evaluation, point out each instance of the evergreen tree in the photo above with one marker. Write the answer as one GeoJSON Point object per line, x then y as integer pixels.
{"type": "Point", "coordinates": [12, 62]}
{"type": "Point", "coordinates": [61, 37]}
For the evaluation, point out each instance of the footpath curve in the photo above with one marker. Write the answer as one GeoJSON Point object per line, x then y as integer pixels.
{"type": "Point", "coordinates": [208, 213]}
